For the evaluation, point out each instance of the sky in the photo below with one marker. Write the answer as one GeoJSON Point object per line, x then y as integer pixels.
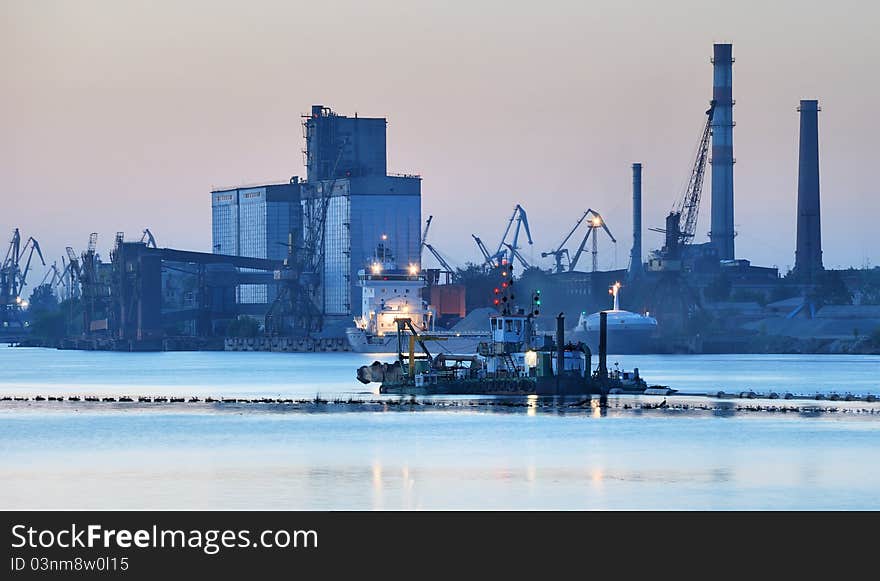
{"type": "Point", "coordinates": [118, 116]}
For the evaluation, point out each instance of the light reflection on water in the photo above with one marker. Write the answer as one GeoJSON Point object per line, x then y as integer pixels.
{"type": "Point", "coordinates": [397, 460]}
{"type": "Point", "coordinates": [520, 458]}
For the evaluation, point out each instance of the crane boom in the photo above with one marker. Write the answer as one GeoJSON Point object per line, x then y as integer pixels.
{"type": "Point", "coordinates": [34, 246]}
{"type": "Point", "coordinates": [514, 253]}
{"type": "Point", "coordinates": [425, 237]}
{"type": "Point", "coordinates": [484, 251]}
{"type": "Point", "coordinates": [690, 206]}
{"type": "Point", "coordinates": [681, 223]}
{"type": "Point", "coordinates": [148, 238]}
{"type": "Point", "coordinates": [443, 262]}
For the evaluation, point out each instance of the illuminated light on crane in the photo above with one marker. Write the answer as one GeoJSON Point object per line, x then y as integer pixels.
{"type": "Point", "coordinates": [594, 222]}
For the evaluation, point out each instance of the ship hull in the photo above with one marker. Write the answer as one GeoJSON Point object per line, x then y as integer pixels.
{"type": "Point", "coordinates": [361, 342]}
{"type": "Point", "coordinates": [620, 342]}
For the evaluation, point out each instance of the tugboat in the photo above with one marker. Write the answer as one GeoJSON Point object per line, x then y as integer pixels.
{"type": "Point", "coordinates": [516, 361]}
{"type": "Point", "coordinates": [389, 293]}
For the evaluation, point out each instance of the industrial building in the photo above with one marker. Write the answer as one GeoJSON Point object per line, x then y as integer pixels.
{"type": "Point", "coordinates": [329, 224]}
{"type": "Point", "coordinates": [256, 222]}
{"type": "Point", "coordinates": [339, 146]}
{"type": "Point", "coordinates": [350, 205]}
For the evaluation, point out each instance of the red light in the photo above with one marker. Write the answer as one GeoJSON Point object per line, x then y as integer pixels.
{"type": "Point", "coordinates": [497, 291]}
{"type": "Point", "coordinates": [496, 301]}
{"type": "Point", "coordinates": [503, 285]}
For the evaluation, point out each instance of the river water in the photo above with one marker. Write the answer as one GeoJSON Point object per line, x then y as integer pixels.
{"type": "Point", "coordinates": [80, 456]}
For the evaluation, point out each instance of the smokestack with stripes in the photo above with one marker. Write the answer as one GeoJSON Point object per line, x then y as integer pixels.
{"type": "Point", "coordinates": [635, 257]}
{"type": "Point", "coordinates": [722, 232]}
{"type": "Point", "coordinates": [808, 256]}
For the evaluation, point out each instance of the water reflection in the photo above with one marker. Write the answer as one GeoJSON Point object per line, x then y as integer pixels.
{"type": "Point", "coordinates": [378, 487]}
{"type": "Point", "coordinates": [531, 405]}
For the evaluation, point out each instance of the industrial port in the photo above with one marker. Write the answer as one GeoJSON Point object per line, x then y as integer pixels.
{"type": "Point", "coordinates": [287, 266]}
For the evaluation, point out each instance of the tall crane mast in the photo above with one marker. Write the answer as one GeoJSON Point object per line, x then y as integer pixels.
{"type": "Point", "coordinates": [596, 223]}
{"type": "Point", "coordinates": [681, 222]}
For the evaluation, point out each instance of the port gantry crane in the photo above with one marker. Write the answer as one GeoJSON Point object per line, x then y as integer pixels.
{"type": "Point", "coordinates": [13, 278]}
{"type": "Point", "coordinates": [681, 223]}
{"type": "Point", "coordinates": [508, 250]}
{"type": "Point", "coordinates": [595, 223]}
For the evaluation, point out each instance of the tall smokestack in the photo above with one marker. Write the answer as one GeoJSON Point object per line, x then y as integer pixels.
{"type": "Point", "coordinates": [722, 152]}
{"type": "Point", "coordinates": [635, 257]}
{"type": "Point", "coordinates": [808, 256]}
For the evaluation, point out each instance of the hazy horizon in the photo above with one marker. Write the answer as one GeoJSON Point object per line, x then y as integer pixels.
{"type": "Point", "coordinates": [121, 116]}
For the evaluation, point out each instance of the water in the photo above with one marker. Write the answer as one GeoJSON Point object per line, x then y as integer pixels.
{"type": "Point", "coordinates": [52, 372]}
{"type": "Point", "coordinates": [80, 456]}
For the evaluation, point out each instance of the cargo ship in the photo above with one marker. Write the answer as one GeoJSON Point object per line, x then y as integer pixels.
{"type": "Point", "coordinates": [628, 332]}
{"type": "Point", "coordinates": [388, 293]}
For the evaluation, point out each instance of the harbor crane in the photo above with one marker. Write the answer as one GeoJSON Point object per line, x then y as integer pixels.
{"type": "Point", "coordinates": [13, 278]}
{"type": "Point", "coordinates": [30, 247]}
{"type": "Point", "coordinates": [508, 251]}
{"type": "Point", "coordinates": [302, 299]}
{"type": "Point", "coordinates": [148, 239]}
{"type": "Point", "coordinates": [73, 271]}
{"type": "Point", "coordinates": [490, 260]}
{"type": "Point", "coordinates": [561, 251]}
{"type": "Point", "coordinates": [595, 222]}
{"type": "Point", "coordinates": [681, 223]}
{"type": "Point", "coordinates": [446, 268]}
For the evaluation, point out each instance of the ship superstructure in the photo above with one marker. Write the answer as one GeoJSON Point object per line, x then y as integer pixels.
{"type": "Point", "coordinates": [390, 292]}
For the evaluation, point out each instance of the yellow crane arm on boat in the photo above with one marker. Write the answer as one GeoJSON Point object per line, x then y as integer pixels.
{"type": "Point", "coordinates": [412, 348]}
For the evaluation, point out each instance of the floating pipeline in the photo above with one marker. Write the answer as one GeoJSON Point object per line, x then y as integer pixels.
{"type": "Point", "coordinates": [720, 403]}
{"type": "Point", "coordinates": [287, 344]}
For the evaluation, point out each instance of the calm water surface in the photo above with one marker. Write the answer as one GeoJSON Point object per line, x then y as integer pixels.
{"type": "Point", "coordinates": [49, 371]}
{"type": "Point", "coordinates": [73, 456]}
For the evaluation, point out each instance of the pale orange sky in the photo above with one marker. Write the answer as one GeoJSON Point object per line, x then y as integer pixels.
{"type": "Point", "coordinates": [120, 115]}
